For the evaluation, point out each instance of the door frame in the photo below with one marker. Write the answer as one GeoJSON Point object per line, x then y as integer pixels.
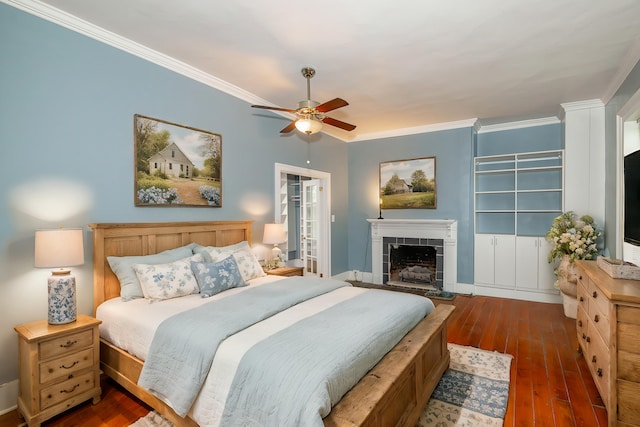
{"type": "Point", "coordinates": [324, 214]}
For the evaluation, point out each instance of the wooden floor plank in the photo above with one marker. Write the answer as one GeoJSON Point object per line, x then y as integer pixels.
{"type": "Point", "coordinates": [549, 383]}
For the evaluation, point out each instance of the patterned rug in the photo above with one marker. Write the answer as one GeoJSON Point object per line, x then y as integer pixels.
{"type": "Point", "coordinates": [473, 392]}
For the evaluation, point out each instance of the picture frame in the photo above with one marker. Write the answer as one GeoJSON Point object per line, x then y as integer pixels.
{"type": "Point", "coordinates": [408, 184]}
{"type": "Point", "coordinates": [176, 165]}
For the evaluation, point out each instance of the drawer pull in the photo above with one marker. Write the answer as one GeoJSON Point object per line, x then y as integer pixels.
{"type": "Point", "coordinates": [588, 339]}
{"type": "Point", "coordinates": [70, 366]}
{"type": "Point", "coordinates": [599, 372]}
{"type": "Point", "coordinates": [72, 389]}
{"type": "Point", "coordinates": [580, 323]}
{"type": "Point", "coordinates": [581, 299]}
{"type": "Point", "coordinates": [596, 318]}
{"type": "Point", "coordinates": [595, 294]}
{"type": "Point", "coordinates": [584, 336]}
{"type": "Point", "coordinates": [593, 359]}
{"type": "Point", "coordinates": [68, 344]}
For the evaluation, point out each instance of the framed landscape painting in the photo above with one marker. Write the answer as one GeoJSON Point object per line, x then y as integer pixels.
{"type": "Point", "coordinates": [408, 184]}
{"type": "Point", "coordinates": [176, 165]}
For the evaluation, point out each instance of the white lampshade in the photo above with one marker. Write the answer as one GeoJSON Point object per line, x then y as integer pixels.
{"type": "Point", "coordinates": [60, 248]}
{"type": "Point", "coordinates": [309, 126]}
{"type": "Point", "coordinates": [274, 234]}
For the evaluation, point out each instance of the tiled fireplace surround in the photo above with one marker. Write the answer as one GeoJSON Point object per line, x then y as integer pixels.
{"type": "Point", "coordinates": [442, 234]}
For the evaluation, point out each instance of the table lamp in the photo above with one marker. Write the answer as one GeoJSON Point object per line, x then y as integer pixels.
{"type": "Point", "coordinates": [274, 234]}
{"type": "Point", "coordinates": [60, 248]}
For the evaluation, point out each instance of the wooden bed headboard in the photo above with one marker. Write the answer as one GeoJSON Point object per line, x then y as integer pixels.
{"type": "Point", "coordinates": [127, 239]}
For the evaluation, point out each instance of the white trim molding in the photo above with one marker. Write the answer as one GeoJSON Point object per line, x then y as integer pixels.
{"type": "Point", "coordinates": [519, 124]}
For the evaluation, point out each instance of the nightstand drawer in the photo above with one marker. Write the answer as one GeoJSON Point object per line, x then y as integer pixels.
{"type": "Point", "coordinates": [65, 344]}
{"type": "Point", "coordinates": [57, 393]}
{"type": "Point", "coordinates": [65, 366]}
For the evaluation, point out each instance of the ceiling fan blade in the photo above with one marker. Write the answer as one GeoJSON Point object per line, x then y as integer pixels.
{"type": "Point", "coordinates": [332, 105]}
{"type": "Point", "coordinates": [291, 126]}
{"type": "Point", "coordinates": [338, 123]}
{"type": "Point", "coordinates": [266, 107]}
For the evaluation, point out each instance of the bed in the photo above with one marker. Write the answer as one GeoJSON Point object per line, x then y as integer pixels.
{"type": "Point", "coordinates": [393, 392]}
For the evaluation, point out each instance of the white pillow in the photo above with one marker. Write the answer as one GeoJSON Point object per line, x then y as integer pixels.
{"type": "Point", "coordinates": [248, 264]}
{"type": "Point", "coordinates": [171, 280]}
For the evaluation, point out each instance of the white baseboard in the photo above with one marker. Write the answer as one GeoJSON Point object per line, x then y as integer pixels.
{"type": "Point", "coordinates": [554, 298]}
{"type": "Point", "coordinates": [8, 397]}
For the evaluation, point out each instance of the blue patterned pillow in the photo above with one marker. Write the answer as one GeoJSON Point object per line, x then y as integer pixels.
{"type": "Point", "coordinates": [215, 277]}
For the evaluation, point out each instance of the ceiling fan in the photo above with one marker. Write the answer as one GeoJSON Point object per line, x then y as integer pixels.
{"type": "Point", "coordinates": [310, 115]}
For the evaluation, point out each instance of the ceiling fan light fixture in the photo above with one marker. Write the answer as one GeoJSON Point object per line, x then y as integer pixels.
{"type": "Point", "coordinates": [308, 126]}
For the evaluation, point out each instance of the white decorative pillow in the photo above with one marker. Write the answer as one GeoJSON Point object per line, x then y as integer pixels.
{"type": "Point", "coordinates": [123, 268]}
{"type": "Point", "coordinates": [171, 280]}
{"type": "Point", "coordinates": [248, 264]}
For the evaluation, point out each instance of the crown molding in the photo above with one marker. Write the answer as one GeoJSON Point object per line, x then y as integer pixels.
{"type": "Point", "coordinates": [519, 124]}
{"type": "Point", "coordinates": [582, 105]}
{"type": "Point", "coordinates": [629, 61]}
{"type": "Point", "coordinates": [88, 29]}
{"type": "Point", "coordinates": [468, 123]}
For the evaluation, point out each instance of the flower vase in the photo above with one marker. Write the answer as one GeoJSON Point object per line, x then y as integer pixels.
{"type": "Point", "coordinates": [567, 283]}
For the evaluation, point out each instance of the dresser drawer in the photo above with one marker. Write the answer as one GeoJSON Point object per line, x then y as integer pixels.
{"type": "Point", "coordinates": [66, 365]}
{"type": "Point", "coordinates": [57, 393]}
{"type": "Point", "coordinates": [65, 344]}
{"type": "Point", "coordinates": [598, 302]}
{"type": "Point", "coordinates": [582, 294]}
{"type": "Point", "coordinates": [582, 323]}
{"type": "Point", "coordinates": [599, 363]}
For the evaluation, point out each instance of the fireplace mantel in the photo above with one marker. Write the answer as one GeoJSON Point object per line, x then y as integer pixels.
{"type": "Point", "coordinates": [445, 229]}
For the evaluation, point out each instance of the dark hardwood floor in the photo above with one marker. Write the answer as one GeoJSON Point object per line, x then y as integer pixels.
{"type": "Point", "coordinates": [550, 381]}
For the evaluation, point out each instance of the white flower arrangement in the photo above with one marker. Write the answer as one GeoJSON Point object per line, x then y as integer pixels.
{"type": "Point", "coordinates": [572, 236]}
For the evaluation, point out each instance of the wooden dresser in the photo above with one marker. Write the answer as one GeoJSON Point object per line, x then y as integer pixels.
{"type": "Point", "coordinates": [608, 324]}
{"type": "Point", "coordinates": [59, 367]}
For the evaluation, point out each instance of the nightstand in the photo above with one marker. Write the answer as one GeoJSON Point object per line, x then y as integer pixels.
{"type": "Point", "coordinates": [59, 367]}
{"type": "Point", "coordinates": [286, 271]}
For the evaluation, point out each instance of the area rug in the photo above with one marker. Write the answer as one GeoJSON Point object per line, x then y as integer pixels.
{"type": "Point", "coordinates": [152, 419]}
{"type": "Point", "coordinates": [474, 391]}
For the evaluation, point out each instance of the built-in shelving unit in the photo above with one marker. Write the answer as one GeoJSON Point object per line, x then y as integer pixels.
{"type": "Point", "coordinates": [518, 194]}
{"type": "Point", "coordinates": [516, 198]}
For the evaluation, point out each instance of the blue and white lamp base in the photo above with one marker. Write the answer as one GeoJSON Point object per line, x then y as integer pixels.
{"type": "Point", "coordinates": [62, 298]}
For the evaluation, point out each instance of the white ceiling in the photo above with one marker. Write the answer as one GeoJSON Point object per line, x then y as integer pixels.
{"type": "Point", "coordinates": [403, 65]}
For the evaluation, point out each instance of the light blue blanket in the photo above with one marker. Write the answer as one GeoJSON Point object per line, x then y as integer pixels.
{"type": "Point", "coordinates": [183, 346]}
{"type": "Point", "coordinates": [293, 378]}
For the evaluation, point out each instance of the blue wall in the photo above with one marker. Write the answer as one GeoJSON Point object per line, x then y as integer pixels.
{"type": "Point", "coordinates": [453, 150]}
{"type": "Point", "coordinates": [66, 131]}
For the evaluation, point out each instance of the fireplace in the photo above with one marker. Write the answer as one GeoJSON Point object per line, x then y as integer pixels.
{"type": "Point", "coordinates": [430, 247]}
{"type": "Point", "coordinates": [412, 262]}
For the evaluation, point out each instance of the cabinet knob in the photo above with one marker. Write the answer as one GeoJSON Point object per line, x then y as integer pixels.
{"type": "Point", "coordinates": [595, 294]}
{"type": "Point", "coordinates": [584, 336]}
{"type": "Point", "coordinates": [596, 318]}
{"type": "Point", "coordinates": [580, 323]}
{"type": "Point", "coordinates": [581, 299]}
{"type": "Point", "coordinates": [593, 359]}
{"type": "Point", "coordinates": [588, 339]}
{"type": "Point", "coordinates": [599, 372]}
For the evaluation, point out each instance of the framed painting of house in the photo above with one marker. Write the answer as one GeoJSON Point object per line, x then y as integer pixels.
{"type": "Point", "coordinates": [408, 184]}
{"type": "Point", "coordinates": [176, 165]}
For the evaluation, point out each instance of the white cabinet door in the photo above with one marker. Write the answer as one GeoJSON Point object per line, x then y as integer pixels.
{"type": "Point", "coordinates": [533, 272]}
{"type": "Point", "coordinates": [505, 260]}
{"type": "Point", "coordinates": [484, 259]}
{"type": "Point", "coordinates": [546, 276]}
{"type": "Point", "coordinates": [494, 260]}
{"type": "Point", "coordinates": [527, 262]}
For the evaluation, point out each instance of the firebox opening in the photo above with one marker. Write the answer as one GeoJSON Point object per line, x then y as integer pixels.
{"type": "Point", "coordinates": [411, 265]}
